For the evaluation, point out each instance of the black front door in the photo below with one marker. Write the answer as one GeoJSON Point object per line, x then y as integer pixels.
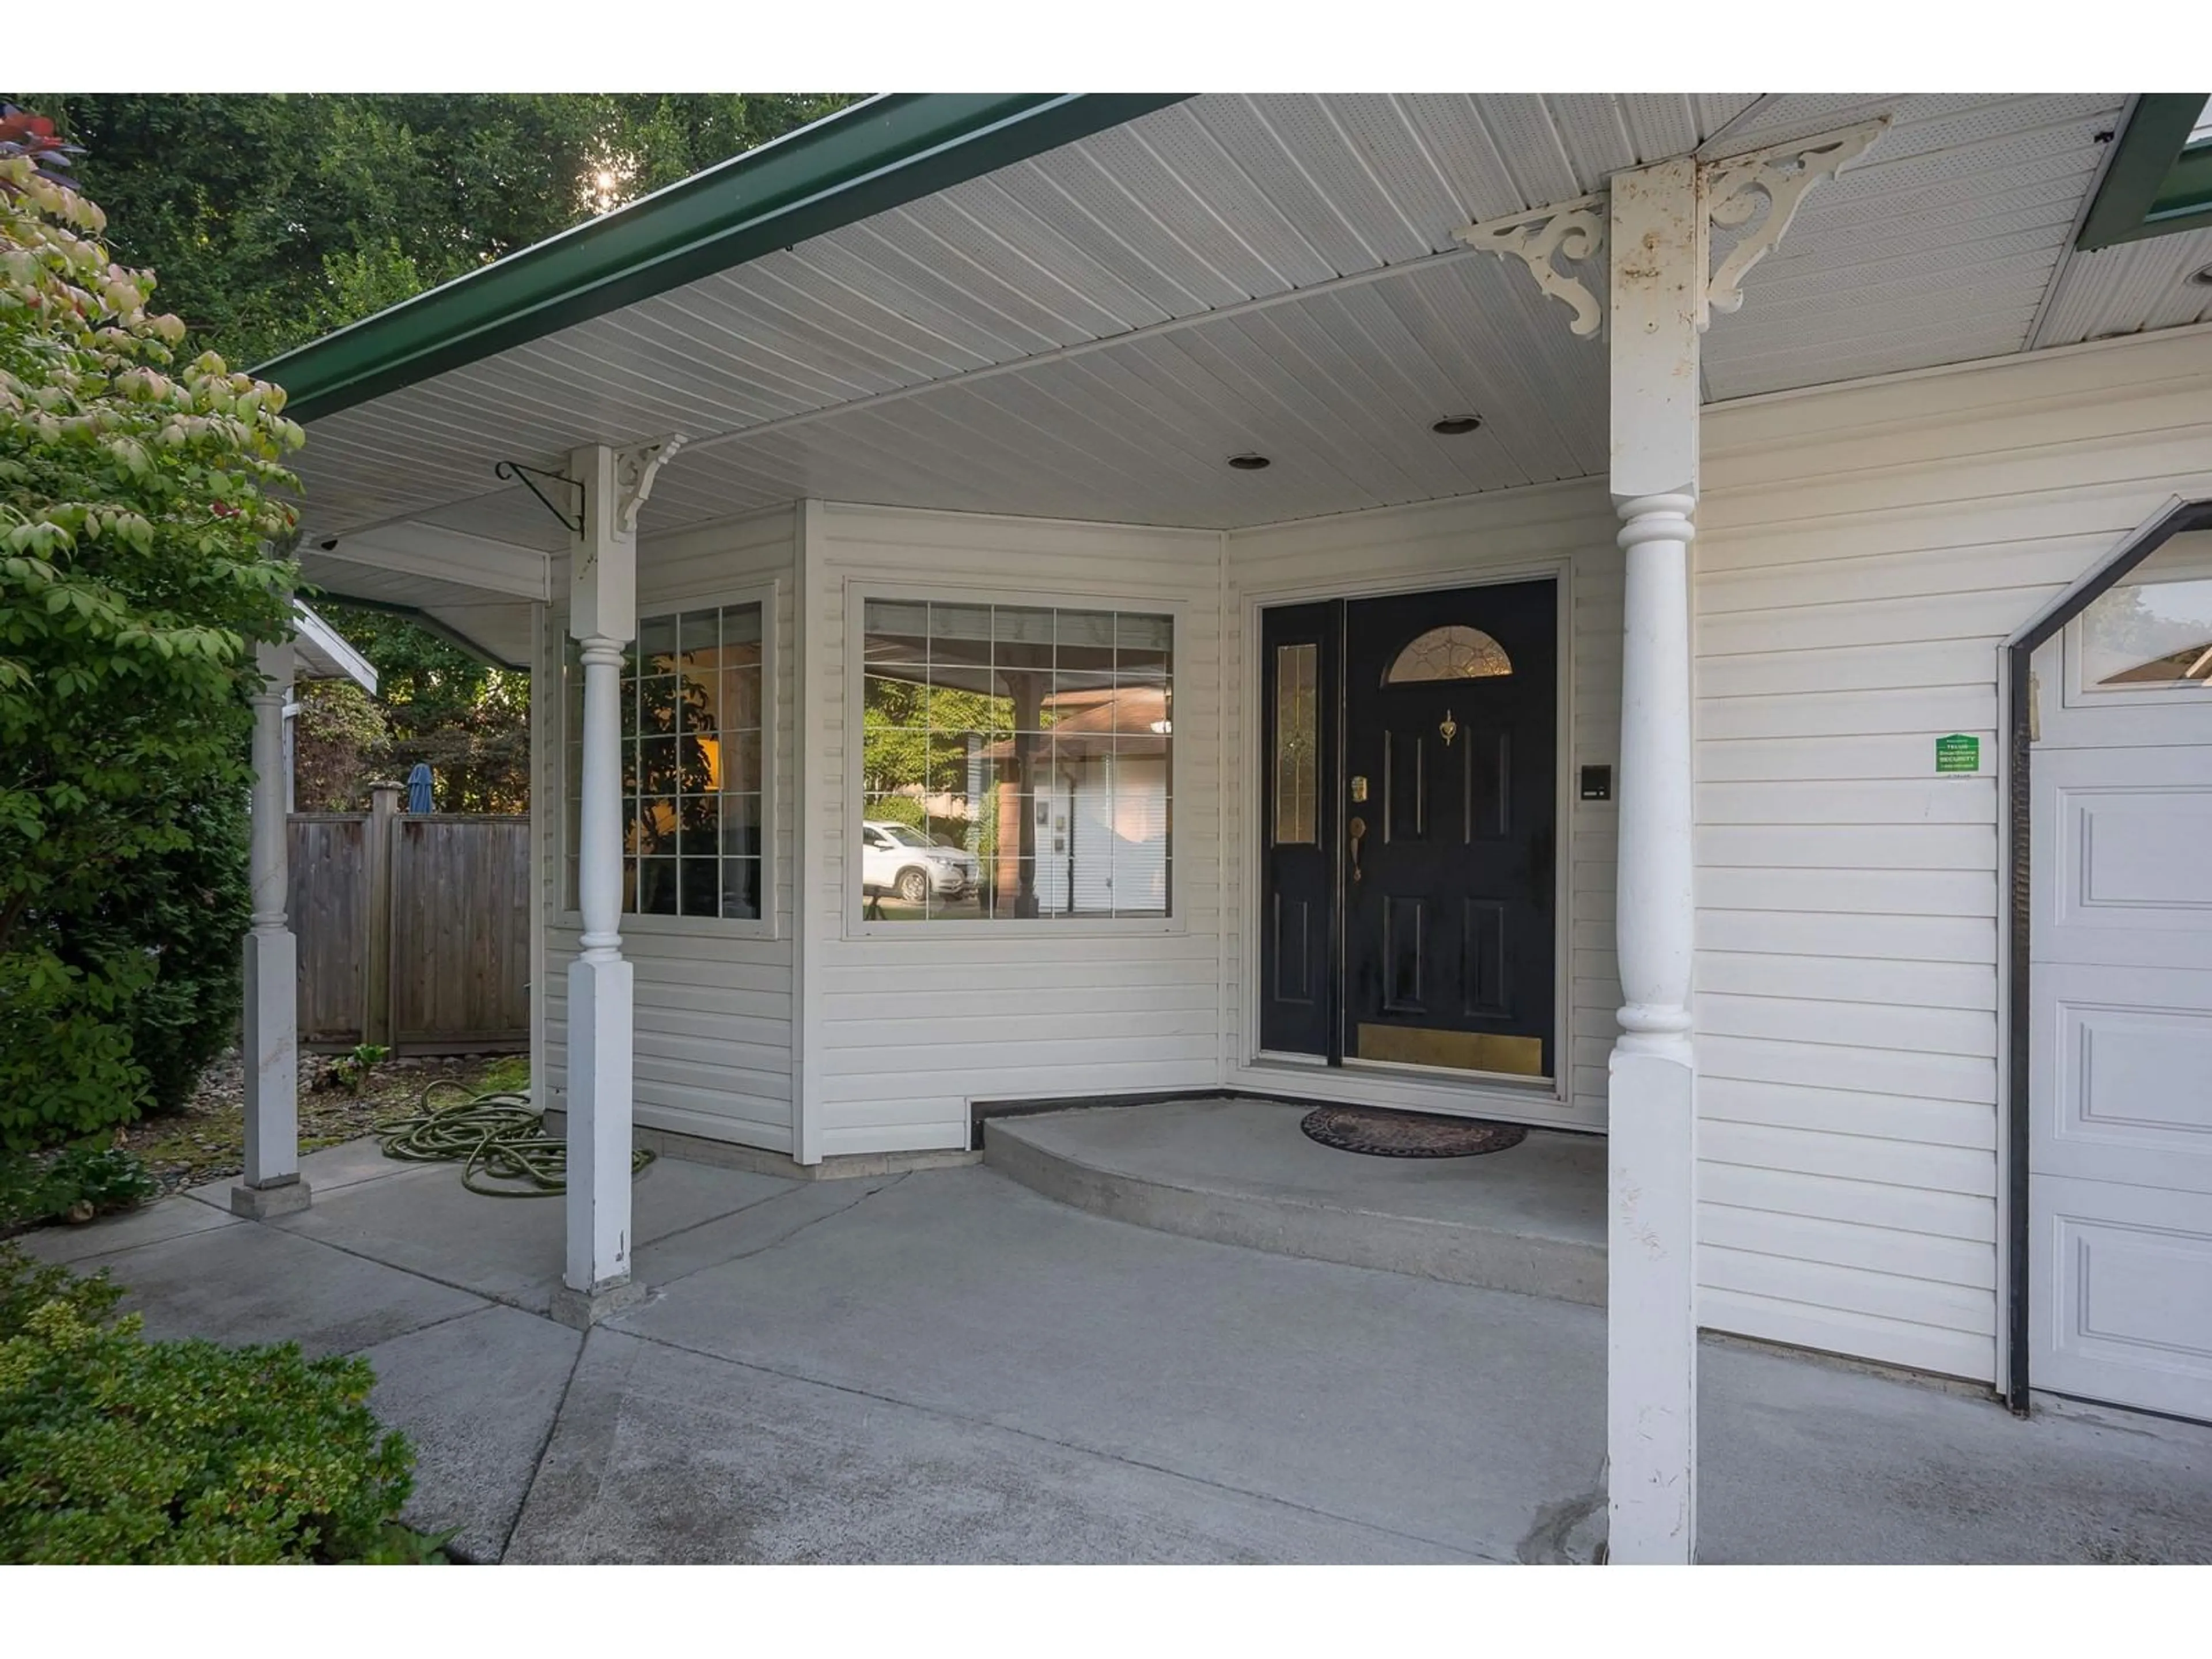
{"type": "Point", "coordinates": [1409, 913]}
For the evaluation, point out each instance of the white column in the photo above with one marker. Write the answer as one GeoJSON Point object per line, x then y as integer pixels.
{"type": "Point", "coordinates": [271, 1060]}
{"type": "Point", "coordinates": [603, 616]}
{"type": "Point", "coordinates": [1658, 252]}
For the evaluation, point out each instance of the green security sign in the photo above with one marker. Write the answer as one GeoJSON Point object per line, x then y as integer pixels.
{"type": "Point", "coordinates": [1958, 753]}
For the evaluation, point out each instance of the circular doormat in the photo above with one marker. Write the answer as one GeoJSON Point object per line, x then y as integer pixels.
{"type": "Point", "coordinates": [1407, 1135]}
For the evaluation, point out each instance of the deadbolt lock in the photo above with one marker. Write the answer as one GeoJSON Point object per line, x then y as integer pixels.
{"type": "Point", "coordinates": [1359, 788]}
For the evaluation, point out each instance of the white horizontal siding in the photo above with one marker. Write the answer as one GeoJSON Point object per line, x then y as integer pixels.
{"type": "Point", "coordinates": [906, 1029]}
{"type": "Point", "coordinates": [1448, 545]}
{"type": "Point", "coordinates": [713, 1009]}
{"type": "Point", "coordinates": [1863, 554]}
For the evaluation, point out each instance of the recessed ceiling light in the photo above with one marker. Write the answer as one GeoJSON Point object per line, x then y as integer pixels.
{"type": "Point", "coordinates": [1248, 463]}
{"type": "Point", "coordinates": [2203, 278]}
{"type": "Point", "coordinates": [1452, 425]}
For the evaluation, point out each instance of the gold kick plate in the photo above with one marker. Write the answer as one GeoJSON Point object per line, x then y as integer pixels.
{"type": "Point", "coordinates": [1458, 1051]}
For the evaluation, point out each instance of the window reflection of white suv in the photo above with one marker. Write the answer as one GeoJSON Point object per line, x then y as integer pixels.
{"type": "Point", "coordinates": [898, 858]}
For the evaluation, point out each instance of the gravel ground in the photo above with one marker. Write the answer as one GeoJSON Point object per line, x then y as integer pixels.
{"type": "Point", "coordinates": [206, 1141]}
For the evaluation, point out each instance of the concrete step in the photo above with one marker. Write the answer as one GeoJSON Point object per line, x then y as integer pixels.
{"type": "Point", "coordinates": [1529, 1219]}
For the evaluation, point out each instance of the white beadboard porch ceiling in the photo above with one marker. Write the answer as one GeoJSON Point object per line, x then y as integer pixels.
{"type": "Point", "coordinates": [1091, 333]}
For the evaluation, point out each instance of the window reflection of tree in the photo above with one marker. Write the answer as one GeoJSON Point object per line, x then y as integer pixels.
{"type": "Point", "coordinates": [2158, 632]}
{"type": "Point", "coordinates": [959, 729]}
{"type": "Point", "coordinates": [677, 776]}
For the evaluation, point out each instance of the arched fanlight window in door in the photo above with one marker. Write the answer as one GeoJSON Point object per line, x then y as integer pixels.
{"type": "Point", "coordinates": [1454, 652]}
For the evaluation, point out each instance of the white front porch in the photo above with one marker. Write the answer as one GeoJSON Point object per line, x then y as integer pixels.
{"type": "Point", "coordinates": [1026, 390]}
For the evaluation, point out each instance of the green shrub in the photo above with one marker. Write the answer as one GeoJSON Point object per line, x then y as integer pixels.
{"type": "Point", "coordinates": [116, 1449]}
{"type": "Point", "coordinates": [350, 1072]}
{"type": "Point", "coordinates": [189, 906]}
{"type": "Point", "coordinates": [141, 559]}
{"type": "Point", "coordinates": [65, 1064]}
{"type": "Point", "coordinates": [96, 1180]}
{"type": "Point", "coordinates": [75, 1184]}
{"type": "Point", "coordinates": [26, 1286]}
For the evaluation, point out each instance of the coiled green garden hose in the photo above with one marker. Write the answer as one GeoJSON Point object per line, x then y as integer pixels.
{"type": "Point", "coordinates": [495, 1136]}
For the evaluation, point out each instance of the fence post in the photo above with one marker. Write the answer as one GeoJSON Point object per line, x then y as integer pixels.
{"type": "Point", "coordinates": [383, 810]}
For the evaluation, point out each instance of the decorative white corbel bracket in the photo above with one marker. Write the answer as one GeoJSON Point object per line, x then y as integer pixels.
{"type": "Point", "coordinates": [635, 471]}
{"type": "Point", "coordinates": [1779, 176]}
{"type": "Point", "coordinates": [1783, 175]}
{"type": "Point", "coordinates": [1574, 231]}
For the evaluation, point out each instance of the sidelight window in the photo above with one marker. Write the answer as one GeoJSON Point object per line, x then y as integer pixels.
{"type": "Point", "coordinates": [1297, 777]}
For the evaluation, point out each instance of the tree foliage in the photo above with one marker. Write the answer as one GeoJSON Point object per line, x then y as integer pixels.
{"type": "Point", "coordinates": [338, 742]}
{"type": "Point", "coordinates": [469, 719]}
{"type": "Point", "coordinates": [274, 219]}
{"type": "Point", "coordinates": [140, 500]}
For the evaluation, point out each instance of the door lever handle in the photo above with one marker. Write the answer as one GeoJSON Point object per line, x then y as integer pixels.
{"type": "Point", "coordinates": [1357, 831]}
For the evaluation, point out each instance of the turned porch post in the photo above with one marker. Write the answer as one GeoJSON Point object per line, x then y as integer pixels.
{"type": "Point", "coordinates": [603, 616]}
{"type": "Point", "coordinates": [271, 1185]}
{"type": "Point", "coordinates": [1651, 227]}
{"type": "Point", "coordinates": [1658, 257]}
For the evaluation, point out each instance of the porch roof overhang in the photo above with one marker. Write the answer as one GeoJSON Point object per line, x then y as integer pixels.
{"type": "Point", "coordinates": [322, 653]}
{"type": "Point", "coordinates": [1080, 307]}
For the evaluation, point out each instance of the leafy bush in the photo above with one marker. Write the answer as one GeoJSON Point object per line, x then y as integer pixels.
{"type": "Point", "coordinates": [26, 1286]}
{"type": "Point", "coordinates": [75, 1184]}
{"type": "Point", "coordinates": [116, 1449]}
{"type": "Point", "coordinates": [141, 511]}
{"type": "Point", "coordinates": [350, 1071]}
{"type": "Point", "coordinates": [191, 903]}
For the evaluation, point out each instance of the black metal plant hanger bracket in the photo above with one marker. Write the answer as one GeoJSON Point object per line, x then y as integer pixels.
{"type": "Point", "coordinates": [528, 474]}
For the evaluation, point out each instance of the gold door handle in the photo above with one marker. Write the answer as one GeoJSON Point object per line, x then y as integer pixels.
{"type": "Point", "coordinates": [1357, 830]}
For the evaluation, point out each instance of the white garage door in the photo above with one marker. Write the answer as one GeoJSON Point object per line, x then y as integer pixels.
{"type": "Point", "coordinates": [2120, 1080]}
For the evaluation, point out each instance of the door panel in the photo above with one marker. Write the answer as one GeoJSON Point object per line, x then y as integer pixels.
{"type": "Point", "coordinates": [1488, 780]}
{"type": "Point", "coordinates": [1405, 787]}
{"type": "Point", "coordinates": [1451, 793]}
{"type": "Point", "coordinates": [1299, 646]}
{"type": "Point", "coordinates": [1482, 974]}
{"type": "Point", "coordinates": [1404, 925]}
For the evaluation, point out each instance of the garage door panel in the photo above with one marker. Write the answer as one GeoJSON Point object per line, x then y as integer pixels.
{"type": "Point", "coordinates": [2124, 1301]}
{"type": "Point", "coordinates": [2142, 854]}
{"type": "Point", "coordinates": [2123, 1075]}
{"type": "Point", "coordinates": [2130, 860]}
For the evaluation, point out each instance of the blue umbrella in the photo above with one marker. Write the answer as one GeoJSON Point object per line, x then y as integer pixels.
{"type": "Point", "coordinates": [418, 787]}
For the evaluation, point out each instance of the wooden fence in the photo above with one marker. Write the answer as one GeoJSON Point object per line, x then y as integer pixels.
{"type": "Point", "coordinates": [414, 929]}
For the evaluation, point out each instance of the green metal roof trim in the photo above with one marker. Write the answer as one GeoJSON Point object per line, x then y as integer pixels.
{"type": "Point", "coordinates": [2158, 182]}
{"type": "Point", "coordinates": [874, 155]}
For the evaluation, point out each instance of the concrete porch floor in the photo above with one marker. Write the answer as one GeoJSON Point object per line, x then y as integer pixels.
{"type": "Point", "coordinates": [946, 1366]}
{"type": "Point", "coordinates": [1530, 1218]}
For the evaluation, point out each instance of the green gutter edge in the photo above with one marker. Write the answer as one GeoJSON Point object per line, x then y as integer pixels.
{"type": "Point", "coordinates": [865, 159]}
{"type": "Point", "coordinates": [2154, 186]}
